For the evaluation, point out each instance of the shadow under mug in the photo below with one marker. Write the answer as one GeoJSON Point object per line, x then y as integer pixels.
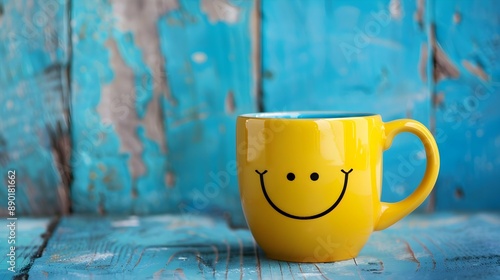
{"type": "Point", "coordinates": [310, 182]}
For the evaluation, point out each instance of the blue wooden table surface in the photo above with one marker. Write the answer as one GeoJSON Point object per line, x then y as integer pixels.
{"type": "Point", "coordinates": [421, 246]}
{"type": "Point", "coordinates": [28, 238]}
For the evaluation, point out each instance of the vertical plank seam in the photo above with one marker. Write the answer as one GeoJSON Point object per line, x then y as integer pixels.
{"type": "Point", "coordinates": [65, 76]}
{"type": "Point", "coordinates": [60, 131]}
{"type": "Point", "coordinates": [431, 64]}
{"type": "Point", "coordinates": [258, 56]}
{"type": "Point", "coordinates": [51, 228]}
{"type": "Point", "coordinates": [69, 82]}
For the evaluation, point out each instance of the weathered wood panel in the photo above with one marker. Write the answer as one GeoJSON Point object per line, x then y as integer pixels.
{"type": "Point", "coordinates": [212, 59]}
{"type": "Point", "coordinates": [352, 56]}
{"type": "Point", "coordinates": [438, 246]}
{"type": "Point", "coordinates": [30, 235]}
{"type": "Point", "coordinates": [157, 85]}
{"type": "Point", "coordinates": [34, 102]}
{"type": "Point", "coordinates": [156, 88]}
{"type": "Point", "coordinates": [466, 43]}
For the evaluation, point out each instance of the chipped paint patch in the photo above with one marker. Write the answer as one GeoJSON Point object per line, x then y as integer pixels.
{"type": "Point", "coordinates": [476, 70]}
{"type": "Point", "coordinates": [170, 179]}
{"type": "Point", "coordinates": [116, 105]}
{"type": "Point", "coordinates": [138, 20]}
{"type": "Point", "coordinates": [438, 99]}
{"type": "Point", "coordinates": [132, 221]}
{"type": "Point", "coordinates": [89, 258]}
{"type": "Point", "coordinates": [396, 9]}
{"type": "Point", "coordinates": [199, 57]}
{"type": "Point", "coordinates": [220, 10]}
{"type": "Point", "coordinates": [423, 61]}
{"type": "Point", "coordinates": [132, 14]}
{"type": "Point", "coordinates": [444, 68]}
{"type": "Point", "coordinates": [457, 18]}
{"type": "Point", "coordinates": [419, 13]}
{"type": "Point", "coordinates": [230, 103]}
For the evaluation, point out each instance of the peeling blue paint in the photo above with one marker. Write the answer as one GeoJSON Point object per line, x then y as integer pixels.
{"type": "Point", "coordinates": [197, 128]}
{"type": "Point", "coordinates": [467, 117]}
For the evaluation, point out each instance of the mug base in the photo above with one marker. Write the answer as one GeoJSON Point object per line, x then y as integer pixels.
{"type": "Point", "coordinates": [310, 259]}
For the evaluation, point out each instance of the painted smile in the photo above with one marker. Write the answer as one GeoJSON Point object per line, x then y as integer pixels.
{"type": "Point", "coordinates": [262, 184]}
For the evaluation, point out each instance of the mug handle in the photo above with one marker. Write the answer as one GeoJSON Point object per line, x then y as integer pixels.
{"type": "Point", "coordinates": [390, 213]}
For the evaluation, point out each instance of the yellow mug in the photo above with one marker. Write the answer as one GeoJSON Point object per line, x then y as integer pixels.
{"type": "Point", "coordinates": [310, 182]}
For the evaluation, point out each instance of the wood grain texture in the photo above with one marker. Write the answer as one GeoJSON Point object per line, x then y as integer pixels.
{"type": "Point", "coordinates": [34, 102]}
{"type": "Point", "coordinates": [436, 246]}
{"type": "Point", "coordinates": [29, 238]}
{"type": "Point", "coordinates": [156, 88]}
{"type": "Point", "coordinates": [466, 36]}
{"type": "Point", "coordinates": [352, 56]}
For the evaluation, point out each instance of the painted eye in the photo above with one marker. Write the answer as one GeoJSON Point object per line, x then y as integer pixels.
{"type": "Point", "coordinates": [314, 176]}
{"type": "Point", "coordinates": [290, 176]}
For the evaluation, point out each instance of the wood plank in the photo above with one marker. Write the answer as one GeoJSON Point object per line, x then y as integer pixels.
{"type": "Point", "coordinates": [352, 56]}
{"type": "Point", "coordinates": [213, 66]}
{"type": "Point", "coordinates": [115, 59]}
{"type": "Point", "coordinates": [443, 245]}
{"type": "Point", "coordinates": [438, 246]}
{"type": "Point", "coordinates": [157, 86]}
{"type": "Point", "coordinates": [466, 103]}
{"type": "Point", "coordinates": [34, 98]}
{"type": "Point", "coordinates": [29, 237]}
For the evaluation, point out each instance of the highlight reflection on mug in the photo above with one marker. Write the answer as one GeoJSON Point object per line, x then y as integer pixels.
{"type": "Point", "coordinates": [314, 177]}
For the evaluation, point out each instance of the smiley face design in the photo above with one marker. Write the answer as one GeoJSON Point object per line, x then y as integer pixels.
{"type": "Point", "coordinates": [314, 176]}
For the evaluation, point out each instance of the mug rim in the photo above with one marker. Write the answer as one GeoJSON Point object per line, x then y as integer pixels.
{"type": "Point", "coordinates": [308, 115]}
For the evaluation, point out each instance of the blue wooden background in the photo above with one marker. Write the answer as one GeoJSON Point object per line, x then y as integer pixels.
{"type": "Point", "coordinates": [129, 107]}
